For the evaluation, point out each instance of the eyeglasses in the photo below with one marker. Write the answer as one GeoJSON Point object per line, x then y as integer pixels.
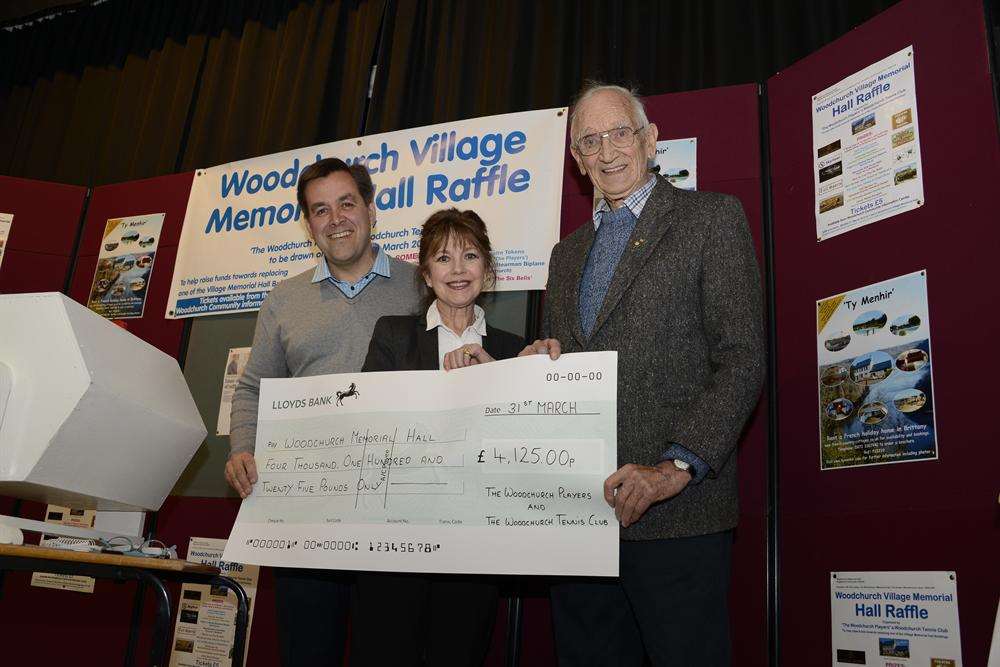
{"type": "Point", "coordinates": [620, 137]}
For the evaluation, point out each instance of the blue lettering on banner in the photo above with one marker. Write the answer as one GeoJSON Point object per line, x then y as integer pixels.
{"type": "Point", "coordinates": [492, 178]}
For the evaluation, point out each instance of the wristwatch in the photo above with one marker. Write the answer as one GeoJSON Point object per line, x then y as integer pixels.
{"type": "Point", "coordinates": [683, 466]}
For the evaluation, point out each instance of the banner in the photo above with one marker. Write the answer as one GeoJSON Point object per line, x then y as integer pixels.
{"type": "Point", "coordinates": [243, 230]}
{"type": "Point", "coordinates": [125, 266]}
{"type": "Point", "coordinates": [866, 147]}
{"type": "Point", "coordinates": [876, 399]}
{"type": "Point", "coordinates": [895, 619]}
{"type": "Point", "coordinates": [493, 469]}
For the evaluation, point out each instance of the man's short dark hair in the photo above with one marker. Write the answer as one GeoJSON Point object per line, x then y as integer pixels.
{"type": "Point", "coordinates": [332, 165]}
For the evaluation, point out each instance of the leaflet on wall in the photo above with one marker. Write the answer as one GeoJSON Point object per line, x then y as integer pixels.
{"type": "Point", "coordinates": [678, 162]}
{"type": "Point", "coordinates": [65, 516]}
{"type": "Point", "coordinates": [6, 220]}
{"type": "Point", "coordinates": [125, 266]}
{"type": "Point", "coordinates": [244, 232]}
{"type": "Point", "coordinates": [876, 402]}
{"type": "Point", "coordinates": [236, 361]}
{"type": "Point", "coordinates": [895, 619]}
{"type": "Point", "coordinates": [206, 615]}
{"type": "Point", "coordinates": [866, 147]}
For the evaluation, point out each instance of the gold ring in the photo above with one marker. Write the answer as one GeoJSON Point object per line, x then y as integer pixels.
{"type": "Point", "coordinates": [465, 351]}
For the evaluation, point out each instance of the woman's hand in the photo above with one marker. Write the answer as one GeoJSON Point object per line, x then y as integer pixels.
{"type": "Point", "coordinates": [549, 346]}
{"type": "Point", "coordinates": [467, 355]}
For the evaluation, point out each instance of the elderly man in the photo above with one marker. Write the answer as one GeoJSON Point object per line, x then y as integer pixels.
{"type": "Point", "coordinates": [315, 323]}
{"type": "Point", "coordinates": [668, 279]}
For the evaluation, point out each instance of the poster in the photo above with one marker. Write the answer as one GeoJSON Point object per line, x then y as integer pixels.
{"type": "Point", "coordinates": [895, 619]}
{"type": "Point", "coordinates": [866, 147]}
{"type": "Point", "coordinates": [65, 516]}
{"type": "Point", "coordinates": [6, 220]}
{"type": "Point", "coordinates": [125, 266]}
{"type": "Point", "coordinates": [876, 401]}
{"type": "Point", "coordinates": [243, 230]}
{"type": "Point", "coordinates": [678, 161]}
{"type": "Point", "coordinates": [236, 361]}
{"type": "Point", "coordinates": [206, 615]}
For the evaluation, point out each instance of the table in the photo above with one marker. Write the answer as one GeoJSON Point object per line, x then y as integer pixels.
{"type": "Point", "coordinates": [151, 571]}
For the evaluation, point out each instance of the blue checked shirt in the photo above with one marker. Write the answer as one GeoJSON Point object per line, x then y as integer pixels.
{"type": "Point", "coordinates": [351, 290]}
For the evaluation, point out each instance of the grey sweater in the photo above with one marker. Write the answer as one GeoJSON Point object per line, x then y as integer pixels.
{"type": "Point", "coordinates": [307, 328]}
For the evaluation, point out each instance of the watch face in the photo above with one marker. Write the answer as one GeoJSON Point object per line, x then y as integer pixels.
{"type": "Point", "coordinates": [681, 465]}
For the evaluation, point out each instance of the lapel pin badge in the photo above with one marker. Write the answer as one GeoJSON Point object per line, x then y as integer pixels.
{"type": "Point", "coordinates": [639, 242]}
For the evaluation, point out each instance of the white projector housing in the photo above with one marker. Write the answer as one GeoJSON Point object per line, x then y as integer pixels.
{"type": "Point", "coordinates": [93, 416]}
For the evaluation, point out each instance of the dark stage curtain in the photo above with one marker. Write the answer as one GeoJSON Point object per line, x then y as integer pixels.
{"type": "Point", "coordinates": [135, 88]}
{"type": "Point", "coordinates": [449, 59]}
{"type": "Point", "coordinates": [132, 89]}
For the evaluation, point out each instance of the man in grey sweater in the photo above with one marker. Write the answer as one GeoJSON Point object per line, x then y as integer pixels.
{"type": "Point", "coordinates": [315, 323]}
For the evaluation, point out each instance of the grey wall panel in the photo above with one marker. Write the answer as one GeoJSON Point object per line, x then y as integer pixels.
{"type": "Point", "coordinates": [208, 348]}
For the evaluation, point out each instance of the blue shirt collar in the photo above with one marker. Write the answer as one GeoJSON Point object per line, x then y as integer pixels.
{"type": "Point", "coordinates": [380, 267]}
{"type": "Point", "coordinates": [635, 201]}
{"type": "Point", "coordinates": [351, 290]}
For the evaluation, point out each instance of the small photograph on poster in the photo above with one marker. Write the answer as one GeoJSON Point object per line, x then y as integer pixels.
{"type": "Point", "coordinates": [866, 147]}
{"type": "Point", "coordinates": [874, 379]}
{"type": "Point", "coordinates": [6, 221]}
{"type": "Point", "coordinates": [895, 619]}
{"type": "Point", "coordinates": [125, 266]}
{"type": "Point", "coordinates": [236, 361]}
{"type": "Point", "coordinates": [678, 162]}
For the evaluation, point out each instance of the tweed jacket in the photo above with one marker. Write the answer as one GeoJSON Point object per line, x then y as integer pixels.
{"type": "Point", "coordinates": [403, 343]}
{"type": "Point", "coordinates": [684, 312]}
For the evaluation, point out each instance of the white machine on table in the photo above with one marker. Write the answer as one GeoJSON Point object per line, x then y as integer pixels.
{"type": "Point", "coordinates": [90, 415]}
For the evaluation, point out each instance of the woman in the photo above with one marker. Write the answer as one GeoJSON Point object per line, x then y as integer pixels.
{"type": "Point", "coordinates": [437, 619]}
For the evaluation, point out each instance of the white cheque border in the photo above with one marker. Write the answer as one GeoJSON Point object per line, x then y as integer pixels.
{"type": "Point", "coordinates": [459, 549]}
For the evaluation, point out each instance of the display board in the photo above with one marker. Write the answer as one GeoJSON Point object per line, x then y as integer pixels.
{"type": "Point", "coordinates": [930, 515]}
{"type": "Point", "coordinates": [725, 122]}
{"type": "Point", "coordinates": [38, 244]}
{"type": "Point", "coordinates": [167, 195]}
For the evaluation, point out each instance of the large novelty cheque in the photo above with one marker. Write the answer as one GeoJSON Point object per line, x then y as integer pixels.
{"type": "Point", "coordinates": [497, 468]}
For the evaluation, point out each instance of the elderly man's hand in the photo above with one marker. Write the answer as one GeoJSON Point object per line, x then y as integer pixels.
{"type": "Point", "coordinates": [467, 355]}
{"type": "Point", "coordinates": [549, 346]}
{"type": "Point", "coordinates": [633, 488]}
{"type": "Point", "coordinates": [241, 472]}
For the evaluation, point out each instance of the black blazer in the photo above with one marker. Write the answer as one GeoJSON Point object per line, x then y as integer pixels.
{"type": "Point", "coordinates": [403, 343]}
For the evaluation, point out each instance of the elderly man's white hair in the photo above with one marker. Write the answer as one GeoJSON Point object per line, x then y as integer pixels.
{"type": "Point", "coordinates": [591, 88]}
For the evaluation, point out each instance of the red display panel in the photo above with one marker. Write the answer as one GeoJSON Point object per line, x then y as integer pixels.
{"type": "Point", "coordinates": [933, 515]}
{"type": "Point", "coordinates": [39, 251]}
{"type": "Point", "coordinates": [726, 122]}
{"type": "Point", "coordinates": [165, 194]}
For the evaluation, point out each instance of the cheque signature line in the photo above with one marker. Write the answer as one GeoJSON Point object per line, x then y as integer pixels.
{"type": "Point", "coordinates": [418, 484]}
{"type": "Point", "coordinates": [370, 493]}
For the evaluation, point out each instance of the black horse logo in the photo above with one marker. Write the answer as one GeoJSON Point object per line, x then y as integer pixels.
{"type": "Point", "coordinates": [351, 391]}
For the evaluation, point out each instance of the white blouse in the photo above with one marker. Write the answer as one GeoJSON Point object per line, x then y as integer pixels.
{"type": "Point", "coordinates": [448, 340]}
